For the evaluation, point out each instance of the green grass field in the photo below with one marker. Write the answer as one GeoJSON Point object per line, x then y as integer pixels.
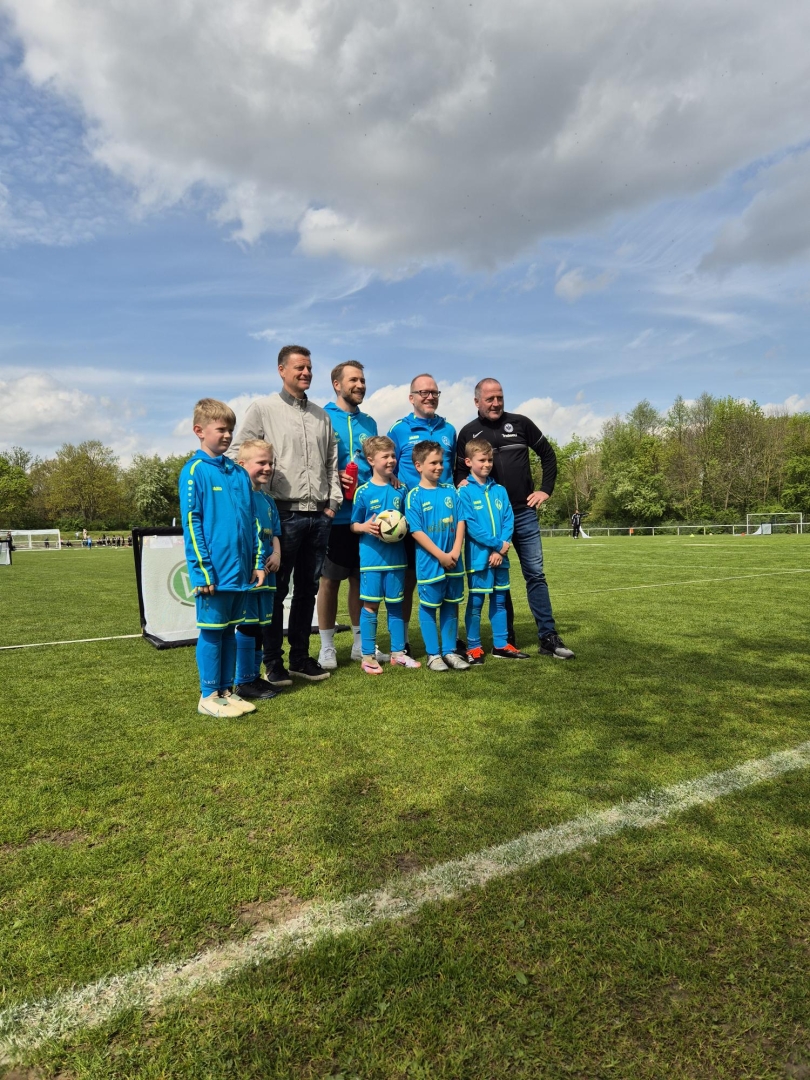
{"type": "Point", "coordinates": [133, 831]}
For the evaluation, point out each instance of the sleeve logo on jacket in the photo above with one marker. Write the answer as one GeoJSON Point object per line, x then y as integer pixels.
{"type": "Point", "coordinates": [445, 440]}
{"type": "Point", "coordinates": [498, 504]}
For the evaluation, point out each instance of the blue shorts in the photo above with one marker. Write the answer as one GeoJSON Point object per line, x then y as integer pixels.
{"type": "Point", "coordinates": [221, 610]}
{"type": "Point", "coordinates": [449, 589]}
{"type": "Point", "coordinates": [492, 579]}
{"type": "Point", "coordinates": [259, 605]}
{"type": "Point", "coordinates": [388, 585]}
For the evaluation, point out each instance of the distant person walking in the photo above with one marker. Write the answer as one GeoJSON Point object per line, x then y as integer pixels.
{"type": "Point", "coordinates": [576, 521]}
{"type": "Point", "coordinates": [512, 437]}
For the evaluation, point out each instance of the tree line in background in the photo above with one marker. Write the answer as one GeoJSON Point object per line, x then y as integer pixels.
{"type": "Point", "coordinates": [710, 460]}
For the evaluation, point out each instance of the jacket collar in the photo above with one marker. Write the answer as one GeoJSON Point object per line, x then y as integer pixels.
{"type": "Point", "coordinates": [297, 403]}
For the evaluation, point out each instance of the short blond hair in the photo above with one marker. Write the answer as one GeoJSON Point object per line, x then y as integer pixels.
{"type": "Point", "coordinates": [208, 409]}
{"type": "Point", "coordinates": [376, 444]}
{"type": "Point", "coordinates": [478, 446]}
{"type": "Point", "coordinates": [251, 448]}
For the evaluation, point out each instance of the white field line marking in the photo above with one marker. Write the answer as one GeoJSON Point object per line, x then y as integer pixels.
{"type": "Point", "coordinates": [73, 641]}
{"type": "Point", "coordinates": [25, 1027]}
{"type": "Point", "coordinates": [691, 581]}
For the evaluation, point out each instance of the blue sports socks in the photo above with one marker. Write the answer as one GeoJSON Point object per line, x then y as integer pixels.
{"type": "Point", "coordinates": [497, 617]}
{"type": "Point", "coordinates": [396, 626]}
{"type": "Point", "coordinates": [472, 619]}
{"type": "Point", "coordinates": [368, 631]}
{"type": "Point", "coordinates": [448, 624]}
{"type": "Point", "coordinates": [216, 660]}
{"type": "Point", "coordinates": [248, 655]}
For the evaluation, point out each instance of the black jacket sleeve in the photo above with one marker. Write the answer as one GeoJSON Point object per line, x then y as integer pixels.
{"type": "Point", "coordinates": [548, 463]}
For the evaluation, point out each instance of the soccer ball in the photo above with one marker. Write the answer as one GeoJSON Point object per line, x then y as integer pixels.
{"type": "Point", "coordinates": [393, 525]}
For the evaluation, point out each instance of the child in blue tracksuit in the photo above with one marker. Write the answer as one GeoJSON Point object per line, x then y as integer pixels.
{"type": "Point", "coordinates": [257, 459]}
{"type": "Point", "coordinates": [490, 521]}
{"type": "Point", "coordinates": [223, 551]}
{"type": "Point", "coordinates": [432, 513]}
{"type": "Point", "coordinates": [382, 564]}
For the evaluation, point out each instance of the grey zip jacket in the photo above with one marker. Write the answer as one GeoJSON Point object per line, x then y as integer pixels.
{"type": "Point", "coordinates": [306, 451]}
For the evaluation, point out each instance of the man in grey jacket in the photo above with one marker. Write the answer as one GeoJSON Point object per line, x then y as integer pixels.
{"type": "Point", "coordinates": [307, 491]}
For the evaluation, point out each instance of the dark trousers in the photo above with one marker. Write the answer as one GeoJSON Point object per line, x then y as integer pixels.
{"type": "Point", "coordinates": [529, 550]}
{"type": "Point", "coordinates": [304, 539]}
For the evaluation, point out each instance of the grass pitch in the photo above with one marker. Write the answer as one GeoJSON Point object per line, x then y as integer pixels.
{"type": "Point", "coordinates": [133, 831]}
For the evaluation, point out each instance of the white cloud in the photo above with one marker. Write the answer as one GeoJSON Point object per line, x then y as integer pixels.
{"type": "Point", "coordinates": [775, 226]}
{"type": "Point", "coordinates": [562, 421]}
{"type": "Point", "coordinates": [40, 413]}
{"type": "Point", "coordinates": [239, 404]}
{"type": "Point", "coordinates": [575, 284]}
{"type": "Point", "coordinates": [791, 405]}
{"type": "Point", "coordinates": [398, 134]}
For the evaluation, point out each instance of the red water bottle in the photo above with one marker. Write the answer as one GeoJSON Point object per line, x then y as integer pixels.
{"type": "Point", "coordinates": [350, 488]}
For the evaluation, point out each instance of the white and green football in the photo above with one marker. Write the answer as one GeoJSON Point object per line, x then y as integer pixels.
{"type": "Point", "coordinates": [393, 525]}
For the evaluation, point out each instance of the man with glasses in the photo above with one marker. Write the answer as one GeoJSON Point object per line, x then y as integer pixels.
{"type": "Point", "coordinates": [513, 436]}
{"type": "Point", "coordinates": [422, 423]}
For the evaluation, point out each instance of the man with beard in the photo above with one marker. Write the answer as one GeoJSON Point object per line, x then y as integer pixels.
{"type": "Point", "coordinates": [352, 427]}
{"type": "Point", "coordinates": [513, 436]}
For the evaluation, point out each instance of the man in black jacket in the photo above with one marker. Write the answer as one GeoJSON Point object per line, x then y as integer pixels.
{"type": "Point", "coordinates": [512, 437]}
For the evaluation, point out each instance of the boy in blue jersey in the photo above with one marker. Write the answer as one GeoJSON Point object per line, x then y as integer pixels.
{"type": "Point", "coordinates": [223, 551]}
{"type": "Point", "coordinates": [487, 512]}
{"type": "Point", "coordinates": [432, 512]}
{"type": "Point", "coordinates": [382, 565]}
{"type": "Point", "coordinates": [256, 458]}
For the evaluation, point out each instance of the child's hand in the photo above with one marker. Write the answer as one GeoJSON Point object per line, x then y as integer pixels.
{"type": "Point", "coordinates": [495, 559]}
{"type": "Point", "coordinates": [257, 578]}
{"type": "Point", "coordinates": [447, 560]}
{"type": "Point", "coordinates": [272, 563]}
{"type": "Point", "coordinates": [372, 526]}
{"type": "Point", "coordinates": [205, 590]}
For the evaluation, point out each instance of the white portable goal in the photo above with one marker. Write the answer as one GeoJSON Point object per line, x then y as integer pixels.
{"type": "Point", "coordinates": [36, 539]}
{"type": "Point", "coordinates": [5, 552]}
{"type": "Point", "coordinates": [769, 524]}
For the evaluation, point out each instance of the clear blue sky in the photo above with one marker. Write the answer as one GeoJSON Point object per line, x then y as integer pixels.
{"type": "Point", "coordinates": [596, 204]}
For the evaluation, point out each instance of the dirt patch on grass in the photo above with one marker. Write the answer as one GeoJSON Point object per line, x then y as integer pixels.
{"type": "Point", "coordinates": [285, 905]}
{"type": "Point", "coordinates": [57, 838]}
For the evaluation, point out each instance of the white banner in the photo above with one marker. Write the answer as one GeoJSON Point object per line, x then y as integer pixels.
{"type": "Point", "coordinates": [168, 600]}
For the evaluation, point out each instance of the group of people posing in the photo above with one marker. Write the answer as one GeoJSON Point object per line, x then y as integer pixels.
{"type": "Point", "coordinates": [296, 495]}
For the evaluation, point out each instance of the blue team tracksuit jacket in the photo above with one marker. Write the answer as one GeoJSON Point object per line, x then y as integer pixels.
{"type": "Point", "coordinates": [220, 523]}
{"type": "Point", "coordinates": [352, 430]}
{"type": "Point", "coordinates": [413, 429]}
{"type": "Point", "coordinates": [490, 521]}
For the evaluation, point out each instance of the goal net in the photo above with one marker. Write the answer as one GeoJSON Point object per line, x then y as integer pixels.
{"type": "Point", "coordinates": [769, 524]}
{"type": "Point", "coordinates": [36, 539]}
{"type": "Point", "coordinates": [5, 552]}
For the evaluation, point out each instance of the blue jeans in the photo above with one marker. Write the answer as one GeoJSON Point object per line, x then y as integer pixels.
{"type": "Point", "coordinates": [529, 550]}
{"type": "Point", "coordinates": [304, 539]}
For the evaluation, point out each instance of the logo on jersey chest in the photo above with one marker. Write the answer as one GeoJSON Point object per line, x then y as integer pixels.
{"type": "Point", "coordinates": [508, 427]}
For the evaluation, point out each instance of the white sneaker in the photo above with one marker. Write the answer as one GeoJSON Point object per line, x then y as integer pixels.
{"type": "Point", "coordinates": [327, 657]}
{"type": "Point", "coordinates": [242, 704]}
{"type": "Point", "coordinates": [435, 663]}
{"type": "Point", "coordinates": [456, 662]}
{"type": "Point", "coordinates": [214, 705]}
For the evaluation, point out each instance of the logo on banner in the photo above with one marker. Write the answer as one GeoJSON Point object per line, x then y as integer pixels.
{"type": "Point", "coordinates": [180, 585]}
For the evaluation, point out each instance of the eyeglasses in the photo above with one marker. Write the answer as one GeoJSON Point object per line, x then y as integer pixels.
{"type": "Point", "coordinates": [425, 394]}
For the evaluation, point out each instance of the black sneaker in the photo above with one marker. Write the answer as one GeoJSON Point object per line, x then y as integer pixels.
{"type": "Point", "coordinates": [509, 652]}
{"type": "Point", "coordinates": [553, 645]}
{"type": "Point", "coordinates": [257, 690]}
{"type": "Point", "coordinates": [407, 649]}
{"type": "Point", "coordinates": [277, 675]}
{"type": "Point", "coordinates": [310, 670]}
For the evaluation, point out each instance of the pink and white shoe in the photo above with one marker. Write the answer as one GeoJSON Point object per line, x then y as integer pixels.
{"type": "Point", "coordinates": [370, 666]}
{"type": "Point", "coordinates": [403, 660]}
